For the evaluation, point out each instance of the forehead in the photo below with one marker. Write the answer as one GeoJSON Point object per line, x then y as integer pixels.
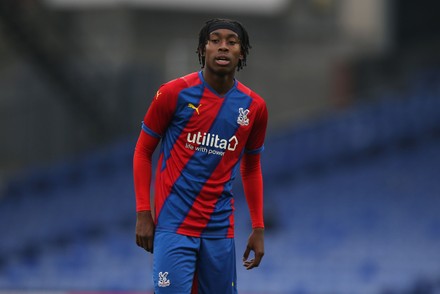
{"type": "Point", "coordinates": [225, 33]}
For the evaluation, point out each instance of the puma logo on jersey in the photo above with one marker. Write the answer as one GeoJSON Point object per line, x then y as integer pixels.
{"type": "Point", "coordinates": [158, 93]}
{"type": "Point", "coordinates": [190, 105]}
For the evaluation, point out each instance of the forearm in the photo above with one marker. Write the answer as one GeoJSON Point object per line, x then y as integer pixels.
{"type": "Point", "coordinates": [253, 188]}
{"type": "Point", "coordinates": [142, 170]}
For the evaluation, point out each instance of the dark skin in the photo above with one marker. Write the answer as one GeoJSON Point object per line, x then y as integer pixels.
{"type": "Point", "coordinates": [145, 230]}
{"type": "Point", "coordinates": [222, 54]}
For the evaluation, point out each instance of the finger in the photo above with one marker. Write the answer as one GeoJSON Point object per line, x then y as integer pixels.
{"type": "Point", "coordinates": [142, 242]}
{"type": "Point", "coordinates": [249, 264]}
{"type": "Point", "coordinates": [145, 244]}
{"type": "Point", "coordinates": [246, 253]}
{"type": "Point", "coordinates": [138, 241]}
{"type": "Point", "coordinates": [150, 245]}
{"type": "Point", "coordinates": [257, 259]}
{"type": "Point", "coordinates": [254, 262]}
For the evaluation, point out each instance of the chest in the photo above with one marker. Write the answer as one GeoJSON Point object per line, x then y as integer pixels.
{"type": "Point", "coordinates": [210, 113]}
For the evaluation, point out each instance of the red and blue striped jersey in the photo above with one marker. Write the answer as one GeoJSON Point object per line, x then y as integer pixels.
{"type": "Point", "coordinates": [204, 136]}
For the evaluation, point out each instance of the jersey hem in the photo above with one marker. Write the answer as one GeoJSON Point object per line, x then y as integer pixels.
{"type": "Point", "coordinates": [193, 234]}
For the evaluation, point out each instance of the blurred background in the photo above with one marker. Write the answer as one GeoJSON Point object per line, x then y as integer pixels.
{"type": "Point", "coordinates": [352, 158]}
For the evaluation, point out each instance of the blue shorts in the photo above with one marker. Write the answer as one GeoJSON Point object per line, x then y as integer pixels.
{"type": "Point", "coordinates": [179, 260]}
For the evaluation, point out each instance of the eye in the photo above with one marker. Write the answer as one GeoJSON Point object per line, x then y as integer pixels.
{"type": "Point", "coordinates": [214, 41]}
{"type": "Point", "coordinates": [232, 43]}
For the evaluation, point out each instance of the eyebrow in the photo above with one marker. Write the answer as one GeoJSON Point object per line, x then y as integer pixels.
{"type": "Point", "coordinates": [227, 36]}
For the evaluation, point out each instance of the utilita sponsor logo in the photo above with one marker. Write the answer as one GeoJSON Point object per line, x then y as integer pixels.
{"type": "Point", "coordinates": [212, 140]}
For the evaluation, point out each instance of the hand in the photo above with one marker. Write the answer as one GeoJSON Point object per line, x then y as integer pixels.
{"type": "Point", "coordinates": [145, 230]}
{"type": "Point", "coordinates": [256, 244]}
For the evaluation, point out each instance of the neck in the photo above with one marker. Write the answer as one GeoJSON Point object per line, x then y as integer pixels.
{"type": "Point", "coordinates": [221, 83]}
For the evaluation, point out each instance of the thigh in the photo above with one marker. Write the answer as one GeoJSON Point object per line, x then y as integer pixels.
{"type": "Point", "coordinates": [216, 267]}
{"type": "Point", "coordinates": [174, 262]}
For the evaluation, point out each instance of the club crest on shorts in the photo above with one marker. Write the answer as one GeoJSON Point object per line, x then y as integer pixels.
{"type": "Point", "coordinates": [242, 119]}
{"type": "Point", "coordinates": [163, 280]}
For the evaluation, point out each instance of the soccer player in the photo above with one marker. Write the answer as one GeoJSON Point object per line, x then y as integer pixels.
{"type": "Point", "coordinates": [210, 125]}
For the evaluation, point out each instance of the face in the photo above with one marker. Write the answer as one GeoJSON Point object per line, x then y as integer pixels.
{"type": "Point", "coordinates": [222, 51]}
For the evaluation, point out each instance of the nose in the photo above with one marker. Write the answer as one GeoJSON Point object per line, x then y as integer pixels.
{"type": "Point", "coordinates": [223, 45]}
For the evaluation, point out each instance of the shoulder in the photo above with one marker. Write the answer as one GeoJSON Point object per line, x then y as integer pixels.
{"type": "Point", "coordinates": [256, 98]}
{"type": "Point", "coordinates": [177, 85]}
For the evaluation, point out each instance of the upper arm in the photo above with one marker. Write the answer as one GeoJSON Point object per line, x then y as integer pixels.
{"type": "Point", "coordinates": [160, 112]}
{"type": "Point", "coordinates": [255, 142]}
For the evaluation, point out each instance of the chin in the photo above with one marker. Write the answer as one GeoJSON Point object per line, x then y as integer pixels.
{"type": "Point", "coordinates": [223, 70]}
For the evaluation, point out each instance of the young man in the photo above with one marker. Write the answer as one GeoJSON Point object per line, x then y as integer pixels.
{"type": "Point", "coordinates": [210, 126]}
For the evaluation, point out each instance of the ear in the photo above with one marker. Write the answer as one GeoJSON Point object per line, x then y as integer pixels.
{"type": "Point", "coordinates": [241, 54]}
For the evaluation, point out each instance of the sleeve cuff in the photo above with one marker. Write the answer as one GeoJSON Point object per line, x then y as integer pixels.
{"type": "Point", "coordinates": [254, 151]}
{"type": "Point", "coordinates": [150, 132]}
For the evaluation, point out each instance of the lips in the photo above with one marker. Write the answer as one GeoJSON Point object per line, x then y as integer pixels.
{"type": "Point", "coordinates": [222, 60]}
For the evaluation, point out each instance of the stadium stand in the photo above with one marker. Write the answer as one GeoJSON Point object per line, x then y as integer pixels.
{"type": "Point", "coordinates": [351, 207]}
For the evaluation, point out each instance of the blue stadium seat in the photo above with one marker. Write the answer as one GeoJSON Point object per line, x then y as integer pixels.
{"type": "Point", "coordinates": [369, 224]}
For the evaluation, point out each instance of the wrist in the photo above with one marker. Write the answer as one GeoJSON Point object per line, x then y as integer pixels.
{"type": "Point", "coordinates": [258, 225]}
{"type": "Point", "coordinates": [143, 214]}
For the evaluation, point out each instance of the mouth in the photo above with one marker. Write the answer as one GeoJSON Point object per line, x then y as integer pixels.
{"type": "Point", "coordinates": [222, 60]}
